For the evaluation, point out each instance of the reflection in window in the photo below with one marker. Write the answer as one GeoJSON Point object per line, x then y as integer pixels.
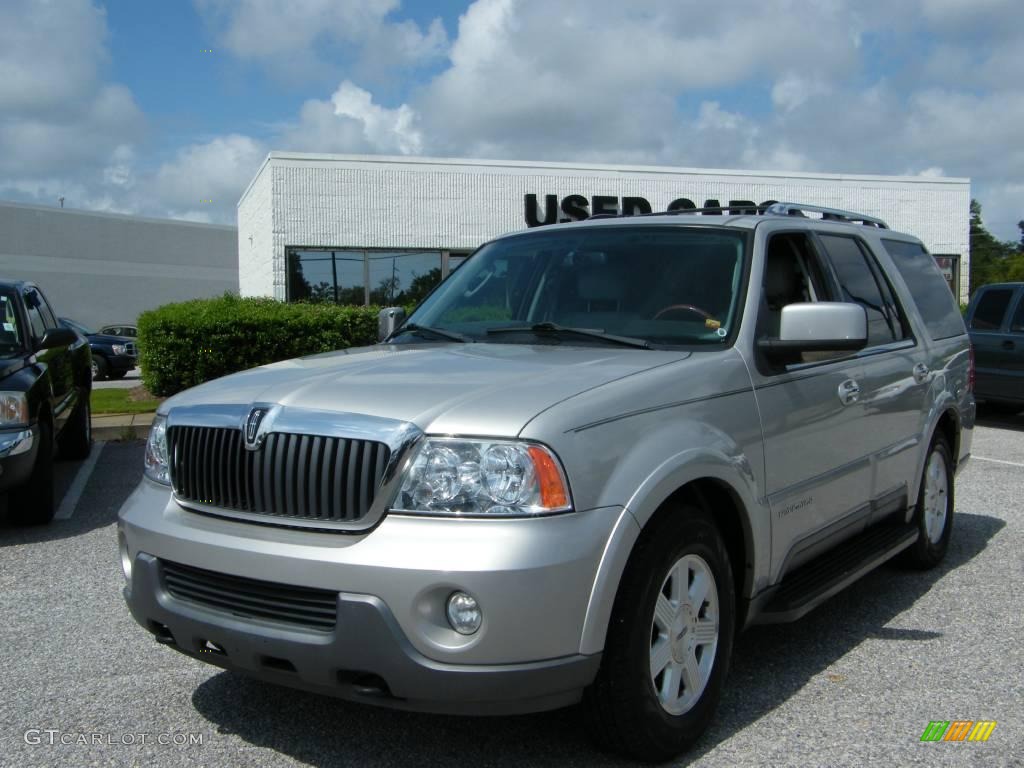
{"type": "Point", "coordinates": [340, 276]}
{"type": "Point", "coordinates": [402, 277]}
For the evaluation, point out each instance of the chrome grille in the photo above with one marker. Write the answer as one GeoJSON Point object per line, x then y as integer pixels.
{"type": "Point", "coordinates": [131, 349]}
{"type": "Point", "coordinates": [250, 598]}
{"type": "Point", "coordinates": [305, 478]}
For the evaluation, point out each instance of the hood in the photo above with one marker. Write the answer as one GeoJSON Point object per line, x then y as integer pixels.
{"type": "Point", "coordinates": [482, 389]}
{"type": "Point", "coordinates": [11, 365]}
{"type": "Point", "coordinates": [105, 338]}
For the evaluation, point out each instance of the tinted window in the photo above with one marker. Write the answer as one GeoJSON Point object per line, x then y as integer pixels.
{"type": "Point", "coordinates": [1017, 324]}
{"type": "Point", "coordinates": [991, 309]}
{"type": "Point", "coordinates": [929, 288]}
{"type": "Point", "coordinates": [665, 285]}
{"type": "Point", "coordinates": [35, 317]}
{"type": "Point", "coordinates": [859, 283]}
{"type": "Point", "coordinates": [10, 326]}
{"type": "Point", "coordinates": [44, 309]}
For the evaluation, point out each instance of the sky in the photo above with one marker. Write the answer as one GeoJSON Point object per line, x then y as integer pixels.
{"type": "Point", "coordinates": [168, 108]}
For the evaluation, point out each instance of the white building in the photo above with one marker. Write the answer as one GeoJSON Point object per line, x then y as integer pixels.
{"type": "Point", "coordinates": [361, 228]}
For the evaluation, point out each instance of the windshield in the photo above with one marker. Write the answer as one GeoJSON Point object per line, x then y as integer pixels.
{"type": "Point", "coordinates": [10, 330]}
{"type": "Point", "coordinates": [68, 323]}
{"type": "Point", "coordinates": [666, 285]}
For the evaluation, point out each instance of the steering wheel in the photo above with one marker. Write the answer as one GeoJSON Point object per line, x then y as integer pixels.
{"type": "Point", "coordinates": [688, 307]}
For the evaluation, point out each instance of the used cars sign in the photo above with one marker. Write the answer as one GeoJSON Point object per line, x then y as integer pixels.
{"type": "Point", "coordinates": [578, 207]}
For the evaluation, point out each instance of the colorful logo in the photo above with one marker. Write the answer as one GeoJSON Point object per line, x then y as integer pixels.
{"type": "Point", "coordinates": [958, 730]}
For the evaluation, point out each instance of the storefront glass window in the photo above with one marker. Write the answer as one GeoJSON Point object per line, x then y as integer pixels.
{"type": "Point", "coordinates": [398, 278]}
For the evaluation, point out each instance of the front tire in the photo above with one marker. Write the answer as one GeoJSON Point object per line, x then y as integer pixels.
{"type": "Point", "coordinates": [33, 503]}
{"type": "Point", "coordinates": [669, 642]}
{"type": "Point", "coordinates": [100, 368]}
{"type": "Point", "coordinates": [75, 441]}
{"type": "Point", "coordinates": [934, 512]}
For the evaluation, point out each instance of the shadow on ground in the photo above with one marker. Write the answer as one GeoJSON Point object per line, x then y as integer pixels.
{"type": "Point", "coordinates": [1000, 418]}
{"type": "Point", "coordinates": [117, 472]}
{"type": "Point", "coordinates": [770, 664]}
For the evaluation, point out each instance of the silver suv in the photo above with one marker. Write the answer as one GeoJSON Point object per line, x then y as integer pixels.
{"type": "Point", "coordinates": [587, 460]}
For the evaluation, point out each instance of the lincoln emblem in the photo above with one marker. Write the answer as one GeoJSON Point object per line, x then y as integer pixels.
{"type": "Point", "coordinates": [252, 428]}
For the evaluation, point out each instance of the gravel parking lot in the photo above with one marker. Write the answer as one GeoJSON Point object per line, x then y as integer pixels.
{"type": "Point", "coordinates": [854, 683]}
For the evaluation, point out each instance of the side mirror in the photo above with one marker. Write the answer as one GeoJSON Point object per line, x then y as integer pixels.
{"type": "Point", "coordinates": [388, 320]}
{"type": "Point", "coordinates": [58, 337]}
{"type": "Point", "coordinates": [825, 326]}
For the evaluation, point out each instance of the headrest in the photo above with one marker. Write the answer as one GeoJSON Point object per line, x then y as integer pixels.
{"type": "Point", "coordinates": [780, 280]}
{"type": "Point", "coordinates": [599, 285]}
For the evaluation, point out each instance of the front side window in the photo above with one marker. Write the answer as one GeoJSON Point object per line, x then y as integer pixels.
{"type": "Point", "coordinates": [12, 336]}
{"type": "Point", "coordinates": [862, 284]}
{"type": "Point", "coordinates": [667, 286]}
{"type": "Point", "coordinates": [991, 309]}
{"type": "Point", "coordinates": [928, 287]}
{"type": "Point", "coordinates": [1017, 323]}
{"type": "Point", "coordinates": [35, 315]}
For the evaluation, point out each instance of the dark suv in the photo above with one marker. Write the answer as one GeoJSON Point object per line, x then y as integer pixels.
{"type": "Point", "coordinates": [112, 356]}
{"type": "Point", "coordinates": [995, 319]}
{"type": "Point", "coordinates": [45, 382]}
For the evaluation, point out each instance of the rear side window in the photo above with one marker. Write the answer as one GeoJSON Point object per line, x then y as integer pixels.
{"type": "Point", "coordinates": [931, 293]}
{"type": "Point", "coordinates": [1017, 324]}
{"type": "Point", "coordinates": [862, 284]}
{"type": "Point", "coordinates": [991, 309]}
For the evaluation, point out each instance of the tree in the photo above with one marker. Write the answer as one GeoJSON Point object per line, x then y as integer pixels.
{"type": "Point", "coordinates": [992, 260]}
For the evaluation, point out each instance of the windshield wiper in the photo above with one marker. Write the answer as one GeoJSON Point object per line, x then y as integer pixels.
{"type": "Point", "coordinates": [437, 333]}
{"type": "Point", "coordinates": [553, 329]}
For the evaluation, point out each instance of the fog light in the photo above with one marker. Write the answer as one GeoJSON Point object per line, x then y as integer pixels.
{"type": "Point", "coordinates": [463, 613]}
{"type": "Point", "coordinates": [126, 560]}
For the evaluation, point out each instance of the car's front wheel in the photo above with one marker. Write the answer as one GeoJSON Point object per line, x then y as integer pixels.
{"type": "Point", "coordinates": [669, 642]}
{"type": "Point", "coordinates": [33, 503]}
{"type": "Point", "coordinates": [75, 441]}
{"type": "Point", "coordinates": [100, 368]}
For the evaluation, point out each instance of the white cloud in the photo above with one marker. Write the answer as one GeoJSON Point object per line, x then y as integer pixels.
{"type": "Point", "coordinates": [779, 85]}
{"type": "Point", "coordinates": [216, 171]}
{"type": "Point", "coordinates": [50, 54]}
{"type": "Point", "coordinates": [289, 36]}
{"type": "Point", "coordinates": [351, 122]}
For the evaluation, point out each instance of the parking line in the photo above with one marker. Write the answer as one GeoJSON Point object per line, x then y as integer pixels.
{"type": "Point", "coordinates": [70, 500]}
{"type": "Point", "coordinates": [998, 461]}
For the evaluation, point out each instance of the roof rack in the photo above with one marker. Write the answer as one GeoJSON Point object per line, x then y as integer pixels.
{"type": "Point", "coordinates": [775, 209]}
{"type": "Point", "coordinates": [828, 214]}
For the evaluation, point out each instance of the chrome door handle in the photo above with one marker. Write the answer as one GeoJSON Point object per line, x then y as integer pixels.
{"type": "Point", "coordinates": [849, 392]}
{"type": "Point", "coordinates": [921, 373]}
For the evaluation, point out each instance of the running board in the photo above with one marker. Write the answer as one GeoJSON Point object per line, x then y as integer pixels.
{"type": "Point", "coordinates": [815, 582]}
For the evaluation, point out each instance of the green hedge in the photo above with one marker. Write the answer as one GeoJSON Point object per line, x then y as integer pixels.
{"type": "Point", "coordinates": [181, 345]}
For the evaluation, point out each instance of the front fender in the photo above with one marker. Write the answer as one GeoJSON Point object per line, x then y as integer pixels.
{"type": "Point", "coordinates": [653, 473]}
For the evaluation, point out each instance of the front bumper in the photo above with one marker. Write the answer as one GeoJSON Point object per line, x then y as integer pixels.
{"type": "Point", "coordinates": [366, 658]}
{"type": "Point", "coordinates": [120, 363]}
{"type": "Point", "coordinates": [391, 644]}
{"type": "Point", "coordinates": [18, 448]}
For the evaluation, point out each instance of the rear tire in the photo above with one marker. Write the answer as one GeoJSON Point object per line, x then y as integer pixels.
{"type": "Point", "coordinates": [934, 512]}
{"type": "Point", "coordinates": [669, 641]}
{"type": "Point", "coordinates": [75, 442]}
{"type": "Point", "coordinates": [32, 503]}
{"type": "Point", "coordinates": [117, 374]}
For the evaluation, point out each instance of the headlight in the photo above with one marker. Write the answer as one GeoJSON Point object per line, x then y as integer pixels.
{"type": "Point", "coordinates": [13, 409]}
{"type": "Point", "coordinates": [155, 461]}
{"type": "Point", "coordinates": [454, 476]}
{"type": "Point", "coordinates": [119, 349]}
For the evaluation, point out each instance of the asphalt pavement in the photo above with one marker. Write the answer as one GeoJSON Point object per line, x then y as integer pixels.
{"type": "Point", "coordinates": [854, 683]}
